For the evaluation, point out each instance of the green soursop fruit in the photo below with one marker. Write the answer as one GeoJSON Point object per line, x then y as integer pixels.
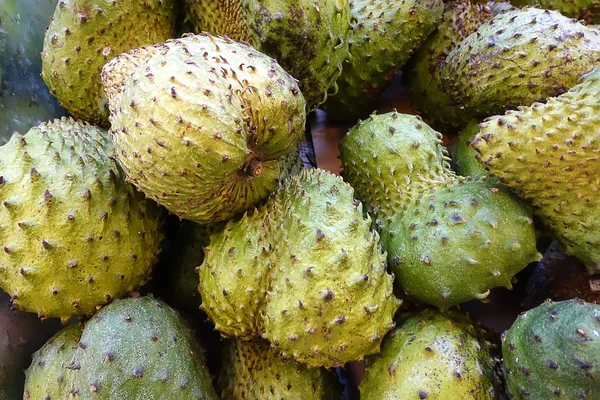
{"type": "Point", "coordinates": [199, 124]}
{"type": "Point", "coordinates": [250, 370]}
{"type": "Point", "coordinates": [549, 153]}
{"type": "Point", "coordinates": [579, 9]}
{"type": "Point", "coordinates": [84, 34]}
{"type": "Point", "coordinates": [432, 356]}
{"type": "Point", "coordinates": [427, 95]}
{"type": "Point", "coordinates": [434, 223]}
{"type": "Point", "coordinates": [24, 98]}
{"type": "Point", "coordinates": [309, 38]}
{"type": "Point", "coordinates": [132, 349]}
{"type": "Point", "coordinates": [74, 235]}
{"type": "Point", "coordinates": [553, 352]}
{"type": "Point", "coordinates": [464, 157]}
{"type": "Point", "coordinates": [383, 36]}
{"type": "Point", "coordinates": [51, 373]}
{"type": "Point", "coordinates": [20, 335]}
{"type": "Point", "coordinates": [304, 272]}
{"type": "Point", "coordinates": [517, 58]}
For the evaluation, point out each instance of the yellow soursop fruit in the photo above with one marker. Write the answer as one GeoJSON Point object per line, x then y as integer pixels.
{"type": "Point", "coordinates": [85, 34]}
{"type": "Point", "coordinates": [74, 234]}
{"type": "Point", "coordinates": [309, 38]}
{"type": "Point", "coordinates": [250, 370]}
{"type": "Point", "coordinates": [199, 124]}
{"type": "Point", "coordinates": [549, 152]}
{"type": "Point", "coordinates": [304, 272]}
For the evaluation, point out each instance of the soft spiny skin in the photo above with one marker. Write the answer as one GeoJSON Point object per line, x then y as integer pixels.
{"type": "Point", "coordinates": [517, 58]}
{"type": "Point", "coordinates": [464, 157]}
{"type": "Point", "coordinates": [427, 96]}
{"type": "Point", "coordinates": [85, 34]}
{"type": "Point", "coordinates": [199, 124]}
{"type": "Point", "coordinates": [553, 352]}
{"type": "Point", "coordinates": [431, 356]}
{"type": "Point", "coordinates": [132, 349]}
{"type": "Point", "coordinates": [569, 8]}
{"type": "Point", "coordinates": [50, 375]}
{"type": "Point", "coordinates": [74, 235]}
{"type": "Point", "coordinates": [383, 36]}
{"type": "Point", "coordinates": [549, 152]}
{"type": "Point", "coordinates": [20, 335]}
{"type": "Point", "coordinates": [250, 370]}
{"type": "Point", "coordinates": [436, 227]}
{"type": "Point", "coordinates": [304, 272]}
{"type": "Point", "coordinates": [309, 38]}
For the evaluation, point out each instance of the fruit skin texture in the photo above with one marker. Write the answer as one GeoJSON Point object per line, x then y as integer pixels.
{"type": "Point", "coordinates": [382, 37]}
{"type": "Point", "coordinates": [431, 355]}
{"type": "Point", "coordinates": [74, 234]}
{"type": "Point", "coordinates": [50, 375]}
{"type": "Point", "coordinates": [517, 58]}
{"type": "Point", "coordinates": [569, 8]}
{"type": "Point", "coordinates": [549, 153]}
{"type": "Point", "coordinates": [464, 157]}
{"type": "Point", "coordinates": [20, 335]}
{"type": "Point", "coordinates": [304, 272]}
{"type": "Point", "coordinates": [432, 222]}
{"type": "Point", "coordinates": [199, 124]}
{"type": "Point", "coordinates": [252, 371]}
{"type": "Point", "coordinates": [85, 34]}
{"type": "Point", "coordinates": [309, 38]}
{"type": "Point", "coordinates": [553, 351]}
{"type": "Point", "coordinates": [132, 349]}
{"type": "Point", "coordinates": [427, 94]}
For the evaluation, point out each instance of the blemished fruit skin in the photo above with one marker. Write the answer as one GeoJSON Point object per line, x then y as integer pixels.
{"type": "Point", "coordinates": [549, 153]}
{"type": "Point", "coordinates": [85, 34]}
{"type": "Point", "coordinates": [432, 356]}
{"type": "Point", "coordinates": [553, 352]}
{"type": "Point", "coordinates": [132, 349]}
{"type": "Point", "coordinates": [436, 227]}
{"type": "Point", "coordinates": [199, 124]}
{"type": "Point", "coordinates": [250, 370]}
{"type": "Point", "coordinates": [304, 272]}
{"type": "Point", "coordinates": [74, 234]}
{"type": "Point", "coordinates": [382, 37]}
{"type": "Point", "coordinates": [20, 335]}
{"type": "Point", "coordinates": [517, 58]}
{"type": "Point", "coordinates": [569, 8]}
{"type": "Point", "coordinates": [308, 38]}
{"type": "Point", "coordinates": [427, 95]}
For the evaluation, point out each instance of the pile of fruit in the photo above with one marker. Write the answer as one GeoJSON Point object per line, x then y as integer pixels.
{"type": "Point", "coordinates": [160, 237]}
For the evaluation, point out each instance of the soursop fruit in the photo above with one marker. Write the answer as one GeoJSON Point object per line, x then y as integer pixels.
{"type": "Point", "coordinates": [199, 124]}
{"type": "Point", "coordinates": [517, 58]}
{"type": "Point", "coordinates": [20, 335]}
{"type": "Point", "coordinates": [132, 349]}
{"type": "Point", "coordinates": [579, 9]}
{"type": "Point", "coordinates": [464, 157]}
{"type": "Point", "coordinates": [434, 223]}
{"type": "Point", "coordinates": [553, 351]}
{"type": "Point", "coordinates": [305, 272]}
{"type": "Point", "coordinates": [74, 235]}
{"type": "Point", "coordinates": [308, 38]}
{"type": "Point", "coordinates": [432, 356]}
{"type": "Point", "coordinates": [250, 370]}
{"type": "Point", "coordinates": [549, 153]}
{"type": "Point", "coordinates": [427, 95]}
{"type": "Point", "coordinates": [85, 34]}
{"type": "Point", "coordinates": [382, 37]}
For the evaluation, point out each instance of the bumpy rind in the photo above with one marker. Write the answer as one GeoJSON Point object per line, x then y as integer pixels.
{"type": "Point", "coordinates": [250, 370]}
{"type": "Point", "coordinates": [306, 273]}
{"type": "Point", "coordinates": [553, 351]}
{"type": "Point", "coordinates": [199, 123]}
{"type": "Point", "coordinates": [432, 355]}
{"type": "Point", "coordinates": [382, 37]}
{"type": "Point", "coordinates": [464, 157]}
{"type": "Point", "coordinates": [74, 235]}
{"type": "Point", "coordinates": [517, 58]}
{"type": "Point", "coordinates": [85, 34]}
{"type": "Point", "coordinates": [549, 153]}
{"type": "Point", "coordinates": [432, 222]}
